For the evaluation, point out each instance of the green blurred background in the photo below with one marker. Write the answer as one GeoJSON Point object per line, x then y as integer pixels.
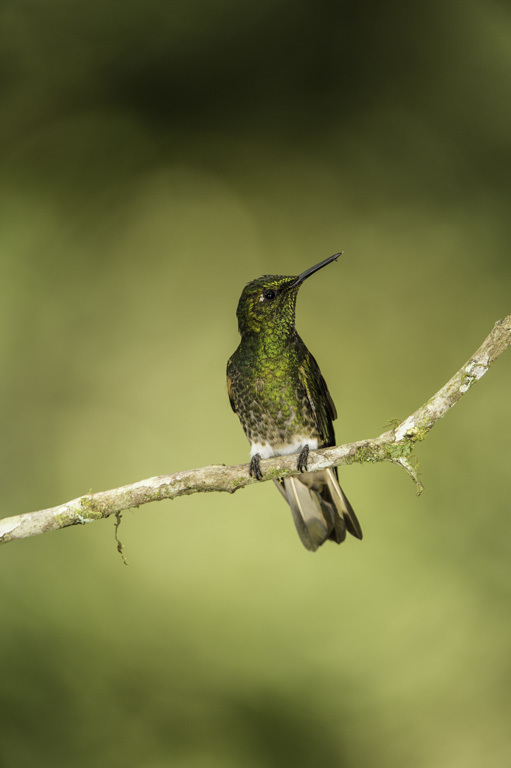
{"type": "Point", "coordinates": [155, 157]}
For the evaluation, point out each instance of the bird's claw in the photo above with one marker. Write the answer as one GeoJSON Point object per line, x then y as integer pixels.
{"type": "Point", "coordinates": [255, 467]}
{"type": "Point", "coordinates": [303, 459]}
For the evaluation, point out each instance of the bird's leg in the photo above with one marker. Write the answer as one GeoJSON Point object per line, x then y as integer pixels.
{"type": "Point", "coordinates": [303, 458]}
{"type": "Point", "coordinates": [255, 467]}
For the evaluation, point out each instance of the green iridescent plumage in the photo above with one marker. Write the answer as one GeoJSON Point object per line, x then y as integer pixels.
{"type": "Point", "coordinates": [276, 388]}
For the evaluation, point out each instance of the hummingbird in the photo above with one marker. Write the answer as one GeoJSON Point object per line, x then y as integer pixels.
{"type": "Point", "coordinates": [277, 390]}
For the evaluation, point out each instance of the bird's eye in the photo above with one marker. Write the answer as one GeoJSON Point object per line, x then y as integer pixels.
{"type": "Point", "coordinates": [269, 294]}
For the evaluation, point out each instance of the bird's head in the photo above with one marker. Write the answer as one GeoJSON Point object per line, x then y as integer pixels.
{"type": "Point", "coordinates": [268, 303]}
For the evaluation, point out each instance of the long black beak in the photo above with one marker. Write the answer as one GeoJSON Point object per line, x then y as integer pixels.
{"type": "Point", "coordinates": [308, 272]}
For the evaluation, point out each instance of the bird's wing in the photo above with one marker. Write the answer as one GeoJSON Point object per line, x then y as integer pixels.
{"type": "Point", "coordinates": [319, 397]}
{"type": "Point", "coordinates": [229, 384]}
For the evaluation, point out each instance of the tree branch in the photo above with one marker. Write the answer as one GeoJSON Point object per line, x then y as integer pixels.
{"type": "Point", "coordinates": [395, 445]}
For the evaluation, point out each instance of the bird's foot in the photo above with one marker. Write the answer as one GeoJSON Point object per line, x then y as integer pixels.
{"type": "Point", "coordinates": [255, 467]}
{"type": "Point", "coordinates": [303, 458]}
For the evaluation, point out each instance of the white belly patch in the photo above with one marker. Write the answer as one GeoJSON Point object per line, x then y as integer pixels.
{"type": "Point", "coordinates": [266, 451]}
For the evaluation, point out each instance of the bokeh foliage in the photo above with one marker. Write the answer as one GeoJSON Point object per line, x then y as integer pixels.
{"type": "Point", "coordinates": [155, 157]}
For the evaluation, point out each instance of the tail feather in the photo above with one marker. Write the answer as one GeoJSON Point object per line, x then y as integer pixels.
{"type": "Point", "coordinates": [306, 508]}
{"type": "Point", "coordinates": [343, 505]}
{"type": "Point", "coordinates": [320, 508]}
